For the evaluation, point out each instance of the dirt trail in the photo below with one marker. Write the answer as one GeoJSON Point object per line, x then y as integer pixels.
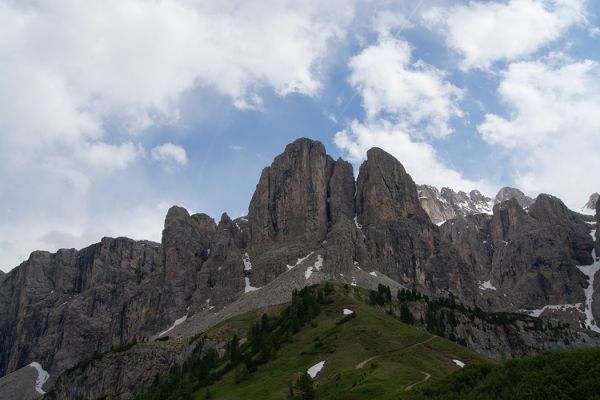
{"type": "Point", "coordinates": [365, 362]}
{"type": "Point", "coordinates": [427, 376]}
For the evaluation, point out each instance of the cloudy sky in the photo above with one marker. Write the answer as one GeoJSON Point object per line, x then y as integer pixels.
{"type": "Point", "coordinates": [113, 110]}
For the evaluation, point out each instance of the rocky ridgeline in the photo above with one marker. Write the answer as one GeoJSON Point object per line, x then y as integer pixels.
{"type": "Point", "coordinates": [445, 204]}
{"type": "Point", "coordinates": [309, 220]}
{"type": "Point", "coordinates": [527, 260]}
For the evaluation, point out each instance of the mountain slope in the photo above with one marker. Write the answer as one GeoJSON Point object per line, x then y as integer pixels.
{"type": "Point", "coordinates": [367, 355]}
{"type": "Point", "coordinates": [550, 375]}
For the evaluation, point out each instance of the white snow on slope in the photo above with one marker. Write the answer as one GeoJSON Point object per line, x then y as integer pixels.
{"type": "Point", "coordinates": [177, 322]}
{"type": "Point", "coordinates": [247, 263]}
{"type": "Point", "coordinates": [486, 285]}
{"type": "Point", "coordinates": [42, 377]}
{"type": "Point", "coordinates": [249, 288]}
{"type": "Point", "coordinates": [560, 307]}
{"type": "Point", "coordinates": [315, 369]}
{"type": "Point", "coordinates": [359, 226]}
{"type": "Point", "coordinates": [316, 267]}
{"type": "Point", "coordinates": [300, 261]}
{"type": "Point", "coordinates": [347, 311]}
{"type": "Point", "coordinates": [372, 273]}
{"type": "Point", "coordinates": [459, 363]}
{"type": "Point", "coordinates": [590, 272]}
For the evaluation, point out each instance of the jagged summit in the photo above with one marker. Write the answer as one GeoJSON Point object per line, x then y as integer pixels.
{"type": "Point", "coordinates": [442, 205]}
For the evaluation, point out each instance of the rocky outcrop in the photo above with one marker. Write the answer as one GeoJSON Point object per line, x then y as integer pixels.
{"type": "Point", "coordinates": [589, 207]}
{"type": "Point", "coordinates": [302, 200]}
{"type": "Point", "coordinates": [507, 193]}
{"type": "Point", "coordinates": [58, 308]}
{"type": "Point", "coordinates": [401, 240]}
{"type": "Point", "coordinates": [448, 204]}
{"type": "Point", "coordinates": [499, 336]}
{"type": "Point", "coordinates": [445, 204]}
{"type": "Point", "coordinates": [598, 228]}
{"type": "Point", "coordinates": [526, 260]}
{"type": "Point", "coordinates": [288, 213]}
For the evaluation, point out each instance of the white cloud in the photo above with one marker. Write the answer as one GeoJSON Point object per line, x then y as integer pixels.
{"type": "Point", "coordinates": [486, 32]}
{"type": "Point", "coordinates": [419, 158]}
{"type": "Point", "coordinates": [552, 134]}
{"type": "Point", "coordinates": [144, 221]}
{"type": "Point", "coordinates": [413, 93]}
{"type": "Point", "coordinates": [169, 153]}
{"type": "Point", "coordinates": [78, 79]}
{"type": "Point", "coordinates": [111, 157]}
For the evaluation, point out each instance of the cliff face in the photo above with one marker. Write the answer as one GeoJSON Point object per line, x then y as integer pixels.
{"type": "Point", "coordinates": [402, 241]}
{"type": "Point", "coordinates": [57, 308]}
{"type": "Point", "coordinates": [308, 213]}
{"type": "Point", "coordinates": [526, 260]}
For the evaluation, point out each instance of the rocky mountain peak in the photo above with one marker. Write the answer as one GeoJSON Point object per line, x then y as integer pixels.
{"type": "Point", "coordinates": [448, 204]}
{"type": "Point", "coordinates": [290, 200]}
{"type": "Point", "coordinates": [385, 192]}
{"type": "Point", "coordinates": [507, 193]}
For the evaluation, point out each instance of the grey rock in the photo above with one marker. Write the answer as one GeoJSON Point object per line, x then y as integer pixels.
{"type": "Point", "coordinates": [507, 193]}
{"type": "Point", "coordinates": [401, 240]}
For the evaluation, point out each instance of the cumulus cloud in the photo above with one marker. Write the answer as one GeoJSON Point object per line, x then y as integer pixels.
{"type": "Point", "coordinates": [82, 81]}
{"type": "Point", "coordinates": [486, 32]}
{"type": "Point", "coordinates": [407, 102]}
{"type": "Point", "coordinates": [111, 157]}
{"type": "Point", "coordinates": [552, 132]}
{"type": "Point", "coordinates": [170, 153]}
{"type": "Point", "coordinates": [413, 93]}
{"type": "Point", "coordinates": [418, 157]}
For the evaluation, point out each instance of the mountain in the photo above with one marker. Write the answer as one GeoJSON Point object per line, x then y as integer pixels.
{"type": "Point", "coordinates": [442, 205]}
{"type": "Point", "coordinates": [590, 206]}
{"type": "Point", "coordinates": [361, 343]}
{"type": "Point", "coordinates": [108, 318]}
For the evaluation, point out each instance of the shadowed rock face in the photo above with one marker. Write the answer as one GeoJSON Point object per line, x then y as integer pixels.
{"type": "Point", "coordinates": [598, 228]}
{"type": "Point", "coordinates": [298, 198]}
{"type": "Point", "coordinates": [402, 242]}
{"type": "Point", "coordinates": [529, 257]}
{"type": "Point", "coordinates": [58, 308]}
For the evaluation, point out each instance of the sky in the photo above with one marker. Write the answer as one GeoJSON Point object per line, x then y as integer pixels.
{"type": "Point", "coordinates": [112, 111]}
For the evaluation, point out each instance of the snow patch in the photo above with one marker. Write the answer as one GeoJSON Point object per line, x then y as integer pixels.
{"type": "Point", "coordinates": [249, 288]}
{"type": "Point", "coordinates": [316, 267]}
{"type": "Point", "coordinates": [372, 273]}
{"type": "Point", "coordinates": [559, 307]}
{"type": "Point", "coordinates": [300, 261]}
{"type": "Point", "coordinates": [315, 369]}
{"type": "Point", "coordinates": [177, 322]}
{"type": "Point", "coordinates": [486, 285]}
{"type": "Point", "coordinates": [347, 311]}
{"type": "Point", "coordinates": [353, 283]}
{"type": "Point", "coordinates": [247, 263]}
{"type": "Point", "coordinates": [359, 226]}
{"type": "Point", "coordinates": [440, 223]}
{"type": "Point", "coordinates": [459, 363]}
{"type": "Point", "coordinates": [42, 377]}
{"type": "Point", "coordinates": [590, 272]}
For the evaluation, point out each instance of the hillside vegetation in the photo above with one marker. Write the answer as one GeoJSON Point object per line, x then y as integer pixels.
{"type": "Point", "coordinates": [368, 354]}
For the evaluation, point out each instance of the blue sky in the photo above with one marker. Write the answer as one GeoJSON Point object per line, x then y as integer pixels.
{"type": "Point", "coordinates": [112, 111]}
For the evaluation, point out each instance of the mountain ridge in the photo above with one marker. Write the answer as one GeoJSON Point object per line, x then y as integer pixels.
{"type": "Point", "coordinates": [309, 221]}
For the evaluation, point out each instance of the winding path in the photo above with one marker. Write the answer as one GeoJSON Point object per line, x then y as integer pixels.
{"type": "Point", "coordinates": [365, 362]}
{"type": "Point", "coordinates": [427, 376]}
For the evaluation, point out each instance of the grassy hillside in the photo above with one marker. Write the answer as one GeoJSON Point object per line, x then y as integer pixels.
{"type": "Point", "coordinates": [370, 355]}
{"type": "Point", "coordinates": [557, 374]}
